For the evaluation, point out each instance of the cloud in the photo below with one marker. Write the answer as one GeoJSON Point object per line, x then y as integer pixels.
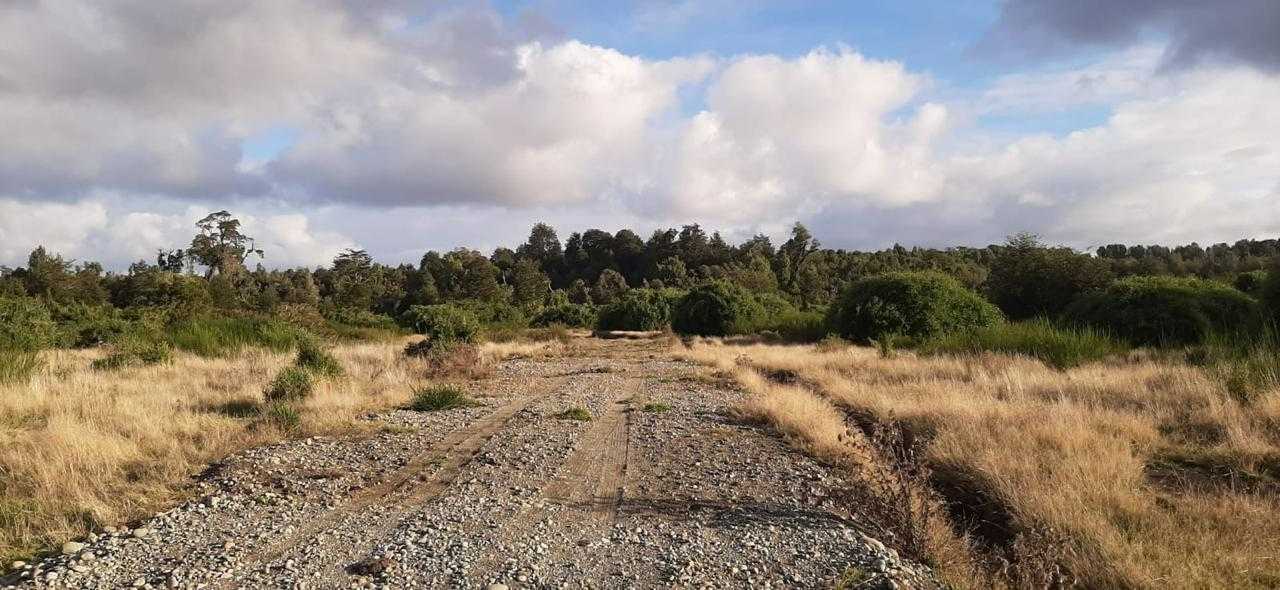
{"type": "Point", "coordinates": [111, 229]}
{"type": "Point", "coordinates": [414, 125]}
{"type": "Point", "coordinates": [1234, 30]}
{"type": "Point", "coordinates": [573, 121]}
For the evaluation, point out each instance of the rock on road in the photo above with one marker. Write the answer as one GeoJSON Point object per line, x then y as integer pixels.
{"type": "Point", "coordinates": [661, 488]}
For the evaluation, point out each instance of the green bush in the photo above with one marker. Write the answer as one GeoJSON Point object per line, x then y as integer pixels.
{"type": "Point", "coordinates": [441, 323]}
{"type": "Point", "coordinates": [637, 309]}
{"type": "Point", "coordinates": [797, 326]}
{"type": "Point", "coordinates": [25, 325]}
{"type": "Point", "coordinates": [1059, 347]}
{"type": "Point", "coordinates": [440, 397]}
{"type": "Point", "coordinates": [291, 384]}
{"type": "Point", "coordinates": [1252, 282]}
{"type": "Point", "coordinates": [83, 326]}
{"type": "Point", "coordinates": [911, 304]}
{"type": "Point", "coordinates": [717, 309]}
{"type": "Point", "coordinates": [572, 315]}
{"type": "Point", "coordinates": [1248, 365]}
{"type": "Point", "coordinates": [576, 413]}
{"type": "Point", "coordinates": [138, 347]}
{"type": "Point", "coordinates": [1166, 310]}
{"type": "Point", "coordinates": [313, 357]}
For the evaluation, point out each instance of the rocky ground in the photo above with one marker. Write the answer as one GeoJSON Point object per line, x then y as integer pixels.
{"type": "Point", "coordinates": [660, 488]}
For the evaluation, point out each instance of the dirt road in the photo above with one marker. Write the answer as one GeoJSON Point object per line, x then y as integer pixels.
{"type": "Point", "coordinates": [661, 488]}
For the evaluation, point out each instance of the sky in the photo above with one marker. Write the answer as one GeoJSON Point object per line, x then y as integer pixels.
{"type": "Point", "coordinates": [400, 126]}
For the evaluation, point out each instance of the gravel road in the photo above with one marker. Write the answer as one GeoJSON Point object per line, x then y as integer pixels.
{"type": "Point", "coordinates": [661, 488]}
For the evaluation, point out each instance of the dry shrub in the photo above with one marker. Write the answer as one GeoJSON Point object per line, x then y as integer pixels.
{"type": "Point", "coordinates": [1141, 473]}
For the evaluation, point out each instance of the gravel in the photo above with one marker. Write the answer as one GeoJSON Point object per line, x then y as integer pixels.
{"type": "Point", "coordinates": [506, 495]}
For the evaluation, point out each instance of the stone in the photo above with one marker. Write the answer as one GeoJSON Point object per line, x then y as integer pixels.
{"type": "Point", "coordinates": [72, 548]}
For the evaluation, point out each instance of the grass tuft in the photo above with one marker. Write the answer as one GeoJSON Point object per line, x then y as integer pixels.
{"type": "Point", "coordinates": [656, 408]}
{"type": "Point", "coordinates": [436, 398]}
{"type": "Point", "coordinates": [575, 413]}
{"type": "Point", "coordinates": [17, 366]}
{"type": "Point", "coordinates": [313, 357]}
{"type": "Point", "coordinates": [291, 384]}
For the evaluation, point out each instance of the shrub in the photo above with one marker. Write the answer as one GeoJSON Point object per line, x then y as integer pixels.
{"type": "Point", "coordinates": [656, 408]}
{"type": "Point", "coordinates": [1166, 310]}
{"type": "Point", "coordinates": [313, 357]}
{"type": "Point", "coordinates": [441, 323]}
{"type": "Point", "coordinates": [291, 384]}
{"type": "Point", "coordinates": [83, 326]}
{"type": "Point", "coordinates": [1252, 282]}
{"type": "Point", "coordinates": [637, 309]}
{"type": "Point", "coordinates": [448, 359]}
{"type": "Point", "coordinates": [1029, 279]}
{"type": "Point", "coordinates": [1059, 347]}
{"type": "Point", "coordinates": [717, 309]}
{"type": "Point", "coordinates": [440, 397]}
{"type": "Point", "coordinates": [797, 326]}
{"type": "Point", "coordinates": [911, 304]}
{"type": "Point", "coordinates": [573, 315]}
{"type": "Point", "coordinates": [25, 325]}
{"type": "Point", "coordinates": [139, 347]}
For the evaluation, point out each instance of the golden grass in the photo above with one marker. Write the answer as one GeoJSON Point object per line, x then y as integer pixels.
{"type": "Point", "coordinates": [81, 448]}
{"type": "Point", "coordinates": [1135, 474]}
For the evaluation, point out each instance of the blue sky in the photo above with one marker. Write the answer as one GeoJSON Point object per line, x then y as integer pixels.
{"type": "Point", "coordinates": [406, 125]}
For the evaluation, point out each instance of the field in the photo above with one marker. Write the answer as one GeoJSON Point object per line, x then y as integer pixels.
{"type": "Point", "coordinates": [1001, 470]}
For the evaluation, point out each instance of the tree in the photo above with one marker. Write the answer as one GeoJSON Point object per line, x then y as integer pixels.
{"type": "Point", "coordinates": [673, 273]}
{"type": "Point", "coordinates": [579, 292]}
{"type": "Point", "coordinates": [530, 285]}
{"type": "Point", "coordinates": [792, 255]}
{"type": "Point", "coordinates": [543, 246]}
{"type": "Point", "coordinates": [48, 276]}
{"type": "Point", "coordinates": [221, 246]}
{"type": "Point", "coordinates": [1029, 279]}
{"type": "Point", "coordinates": [609, 287]}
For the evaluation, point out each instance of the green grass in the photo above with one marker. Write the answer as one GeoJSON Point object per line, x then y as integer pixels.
{"type": "Point", "coordinates": [17, 366]}
{"type": "Point", "coordinates": [223, 336]}
{"type": "Point", "coordinates": [291, 384]}
{"type": "Point", "coordinates": [575, 413]}
{"type": "Point", "coordinates": [1057, 347]}
{"type": "Point", "coordinates": [435, 398]}
{"type": "Point", "coordinates": [656, 408]}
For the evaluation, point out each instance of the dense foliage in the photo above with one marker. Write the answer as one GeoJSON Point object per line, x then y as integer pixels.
{"type": "Point", "coordinates": [913, 304]}
{"type": "Point", "coordinates": [204, 298]}
{"type": "Point", "coordinates": [1166, 310]}
{"type": "Point", "coordinates": [637, 309]}
{"type": "Point", "coordinates": [718, 308]}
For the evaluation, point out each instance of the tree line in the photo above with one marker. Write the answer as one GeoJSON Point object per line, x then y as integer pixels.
{"type": "Point", "coordinates": [1024, 277]}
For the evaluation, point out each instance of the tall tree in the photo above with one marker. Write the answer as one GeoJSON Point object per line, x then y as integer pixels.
{"type": "Point", "coordinates": [220, 246]}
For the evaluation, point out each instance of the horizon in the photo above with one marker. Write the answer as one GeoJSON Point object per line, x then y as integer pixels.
{"type": "Point", "coordinates": [399, 127]}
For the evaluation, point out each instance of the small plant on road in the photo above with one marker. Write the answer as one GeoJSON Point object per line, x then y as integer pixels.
{"type": "Point", "coordinates": [656, 408]}
{"type": "Point", "coordinates": [440, 397]}
{"type": "Point", "coordinates": [575, 413]}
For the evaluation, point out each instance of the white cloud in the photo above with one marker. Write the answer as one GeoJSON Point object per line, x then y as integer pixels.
{"type": "Point", "coordinates": [123, 123]}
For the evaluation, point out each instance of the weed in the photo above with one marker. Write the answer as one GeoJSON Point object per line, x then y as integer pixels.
{"type": "Point", "coordinates": [282, 415]}
{"type": "Point", "coordinates": [575, 413]}
{"type": "Point", "coordinates": [656, 408]}
{"type": "Point", "coordinates": [17, 366]}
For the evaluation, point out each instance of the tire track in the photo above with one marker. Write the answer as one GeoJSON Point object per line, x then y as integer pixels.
{"type": "Point", "coordinates": [424, 477]}
{"type": "Point", "coordinates": [594, 475]}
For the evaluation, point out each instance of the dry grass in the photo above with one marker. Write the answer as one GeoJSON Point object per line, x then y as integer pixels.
{"type": "Point", "coordinates": [1137, 474]}
{"type": "Point", "coordinates": [81, 448]}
